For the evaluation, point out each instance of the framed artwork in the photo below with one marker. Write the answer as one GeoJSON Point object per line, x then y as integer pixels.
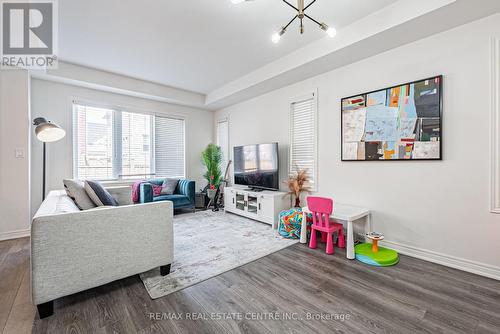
{"type": "Point", "coordinates": [397, 123]}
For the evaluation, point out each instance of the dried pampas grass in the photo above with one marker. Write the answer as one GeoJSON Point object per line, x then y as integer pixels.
{"type": "Point", "coordinates": [297, 184]}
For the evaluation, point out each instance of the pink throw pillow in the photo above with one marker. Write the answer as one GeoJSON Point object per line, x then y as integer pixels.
{"type": "Point", "coordinates": [156, 190]}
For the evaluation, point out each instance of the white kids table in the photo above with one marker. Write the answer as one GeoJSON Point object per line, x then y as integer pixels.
{"type": "Point", "coordinates": [342, 212]}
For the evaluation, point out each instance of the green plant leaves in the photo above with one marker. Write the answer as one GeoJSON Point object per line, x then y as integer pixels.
{"type": "Point", "coordinates": [212, 159]}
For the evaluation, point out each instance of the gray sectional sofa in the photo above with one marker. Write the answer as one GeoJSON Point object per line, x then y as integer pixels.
{"type": "Point", "coordinates": [73, 250]}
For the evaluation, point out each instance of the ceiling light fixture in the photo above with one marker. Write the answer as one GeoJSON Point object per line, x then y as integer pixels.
{"type": "Point", "coordinates": [301, 8]}
{"type": "Point", "coordinates": [277, 36]}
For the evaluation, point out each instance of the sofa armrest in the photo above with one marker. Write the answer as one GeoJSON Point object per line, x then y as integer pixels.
{"type": "Point", "coordinates": [145, 193]}
{"type": "Point", "coordinates": [187, 188]}
{"type": "Point", "coordinates": [77, 251]}
{"type": "Point", "coordinates": [122, 194]}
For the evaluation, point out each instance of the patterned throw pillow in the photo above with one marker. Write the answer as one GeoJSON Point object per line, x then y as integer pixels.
{"type": "Point", "coordinates": [168, 186]}
{"type": "Point", "coordinates": [290, 223]}
{"type": "Point", "coordinates": [76, 191]}
{"type": "Point", "coordinates": [99, 195]}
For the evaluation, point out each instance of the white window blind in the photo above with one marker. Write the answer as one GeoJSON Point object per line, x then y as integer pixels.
{"type": "Point", "coordinates": [303, 137]}
{"type": "Point", "coordinates": [136, 145]}
{"type": "Point", "coordinates": [93, 142]}
{"type": "Point", "coordinates": [169, 150]}
{"type": "Point", "coordinates": [115, 144]}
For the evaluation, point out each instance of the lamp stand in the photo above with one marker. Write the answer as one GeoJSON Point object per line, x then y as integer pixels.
{"type": "Point", "coordinates": [43, 170]}
{"type": "Point", "coordinates": [46, 131]}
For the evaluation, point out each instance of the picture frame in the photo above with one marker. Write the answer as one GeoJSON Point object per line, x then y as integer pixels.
{"type": "Point", "coordinates": [397, 123]}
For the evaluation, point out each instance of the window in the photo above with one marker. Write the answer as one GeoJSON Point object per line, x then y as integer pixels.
{"type": "Point", "coordinates": [114, 144]}
{"type": "Point", "coordinates": [136, 146]}
{"type": "Point", "coordinates": [223, 140]}
{"type": "Point", "coordinates": [93, 142]}
{"type": "Point", "coordinates": [169, 152]}
{"type": "Point", "coordinates": [303, 136]}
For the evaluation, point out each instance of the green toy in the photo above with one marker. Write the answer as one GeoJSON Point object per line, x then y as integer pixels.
{"type": "Point", "coordinates": [374, 255]}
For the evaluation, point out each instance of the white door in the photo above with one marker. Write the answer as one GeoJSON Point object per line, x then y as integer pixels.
{"type": "Point", "coordinates": [266, 209]}
{"type": "Point", "coordinates": [223, 140]}
{"type": "Point", "coordinates": [230, 199]}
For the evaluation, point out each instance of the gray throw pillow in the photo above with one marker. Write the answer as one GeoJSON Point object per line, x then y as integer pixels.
{"type": "Point", "coordinates": [76, 191]}
{"type": "Point", "coordinates": [168, 186]}
{"type": "Point", "coordinates": [99, 195]}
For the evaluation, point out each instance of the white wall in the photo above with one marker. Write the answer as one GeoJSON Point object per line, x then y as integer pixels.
{"type": "Point", "coordinates": [439, 208]}
{"type": "Point", "coordinates": [54, 101]}
{"type": "Point", "coordinates": [15, 128]}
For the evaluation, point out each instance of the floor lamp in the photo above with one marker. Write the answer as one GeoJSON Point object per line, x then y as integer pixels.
{"type": "Point", "coordinates": [47, 132]}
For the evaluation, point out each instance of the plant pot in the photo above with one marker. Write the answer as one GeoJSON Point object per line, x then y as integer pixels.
{"type": "Point", "coordinates": [211, 193]}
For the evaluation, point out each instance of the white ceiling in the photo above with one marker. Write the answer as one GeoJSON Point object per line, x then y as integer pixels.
{"type": "Point", "coordinates": [197, 45]}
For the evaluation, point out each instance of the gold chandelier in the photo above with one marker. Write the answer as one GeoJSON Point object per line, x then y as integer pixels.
{"type": "Point", "coordinates": [301, 15]}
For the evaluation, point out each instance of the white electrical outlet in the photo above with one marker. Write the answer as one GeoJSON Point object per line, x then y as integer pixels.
{"type": "Point", "coordinates": [19, 153]}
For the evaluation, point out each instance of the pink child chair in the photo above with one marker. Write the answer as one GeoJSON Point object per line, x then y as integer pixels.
{"type": "Point", "coordinates": [321, 209]}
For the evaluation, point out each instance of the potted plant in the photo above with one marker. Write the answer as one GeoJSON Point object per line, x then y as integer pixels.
{"type": "Point", "coordinates": [212, 158]}
{"type": "Point", "coordinates": [297, 184]}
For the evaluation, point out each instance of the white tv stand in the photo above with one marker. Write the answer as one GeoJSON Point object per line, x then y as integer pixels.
{"type": "Point", "coordinates": [263, 206]}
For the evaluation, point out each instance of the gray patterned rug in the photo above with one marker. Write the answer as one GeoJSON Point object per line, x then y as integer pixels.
{"type": "Point", "coordinates": [210, 243]}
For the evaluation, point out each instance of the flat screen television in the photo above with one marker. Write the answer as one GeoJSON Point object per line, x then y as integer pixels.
{"type": "Point", "coordinates": [256, 166]}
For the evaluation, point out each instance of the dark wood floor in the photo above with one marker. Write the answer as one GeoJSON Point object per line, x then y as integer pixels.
{"type": "Point", "coordinates": [281, 289]}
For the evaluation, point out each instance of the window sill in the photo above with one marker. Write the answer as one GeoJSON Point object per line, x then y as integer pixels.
{"type": "Point", "coordinates": [118, 183]}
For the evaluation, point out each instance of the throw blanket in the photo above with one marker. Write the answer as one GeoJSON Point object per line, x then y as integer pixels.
{"type": "Point", "coordinates": [137, 186]}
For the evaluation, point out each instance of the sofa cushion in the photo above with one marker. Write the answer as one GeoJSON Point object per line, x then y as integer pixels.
{"type": "Point", "coordinates": [179, 200]}
{"type": "Point", "coordinates": [75, 189]}
{"type": "Point", "coordinates": [65, 205]}
{"type": "Point", "coordinates": [168, 186]}
{"type": "Point", "coordinates": [54, 205]}
{"type": "Point", "coordinates": [99, 195]}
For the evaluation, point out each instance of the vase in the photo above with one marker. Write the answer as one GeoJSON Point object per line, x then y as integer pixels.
{"type": "Point", "coordinates": [297, 202]}
{"type": "Point", "coordinates": [211, 193]}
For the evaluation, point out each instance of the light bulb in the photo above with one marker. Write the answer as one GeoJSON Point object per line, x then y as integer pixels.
{"type": "Point", "coordinates": [276, 37]}
{"type": "Point", "coordinates": [237, 1]}
{"type": "Point", "coordinates": [331, 32]}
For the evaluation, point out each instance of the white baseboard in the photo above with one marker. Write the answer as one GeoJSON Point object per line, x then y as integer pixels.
{"type": "Point", "coordinates": [446, 260]}
{"type": "Point", "coordinates": [14, 234]}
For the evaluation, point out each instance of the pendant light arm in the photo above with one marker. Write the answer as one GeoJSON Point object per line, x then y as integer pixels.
{"type": "Point", "coordinates": [288, 24]}
{"type": "Point", "coordinates": [310, 18]}
{"type": "Point", "coordinates": [289, 4]}
{"type": "Point", "coordinates": [309, 5]}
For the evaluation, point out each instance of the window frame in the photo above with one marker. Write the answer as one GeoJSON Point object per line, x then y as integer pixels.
{"type": "Point", "coordinates": [120, 108]}
{"type": "Point", "coordinates": [314, 96]}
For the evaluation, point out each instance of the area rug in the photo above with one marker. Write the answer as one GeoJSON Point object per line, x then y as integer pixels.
{"type": "Point", "coordinates": [210, 243]}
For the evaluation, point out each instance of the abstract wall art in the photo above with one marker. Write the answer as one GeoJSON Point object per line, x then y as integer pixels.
{"type": "Point", "coordinates": [398, 123]}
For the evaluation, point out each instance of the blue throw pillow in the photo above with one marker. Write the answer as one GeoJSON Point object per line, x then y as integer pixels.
{"type": "Point", "coordinates": [99, 195]}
